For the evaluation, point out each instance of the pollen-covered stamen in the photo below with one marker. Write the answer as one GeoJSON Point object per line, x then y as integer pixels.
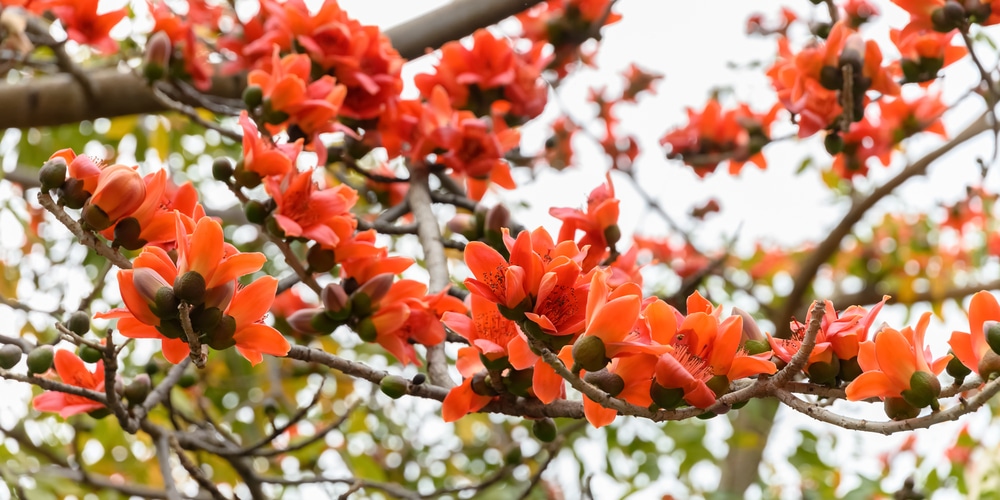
{"type": "Point", "coordinates": [495, 328]}
{"type": "Point", "coordinates": [696, 366]}
{"type": "Point", "coordinates": [558, 306]}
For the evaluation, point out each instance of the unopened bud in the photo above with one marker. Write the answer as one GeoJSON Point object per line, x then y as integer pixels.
{"type": "Point", "coordinates": [464, 224]}
{"type": "Point", "coordinates": [992, 329]}
{"type": "Point", "coordinates": [320, 259]}
{"type": "Point", "coordinates": [366, 330]}
{"type": "Point", "coordinates": [253, 96]}
{"type": "Point", "coordinates": [589, 353]}
{"type": "Point", "coordinates": [89, 354]}
{"type": "Point", "coordinates": [301, 320]}
{"type": "Point", "coordinates": [833, 143]}
{"type": "Point", "coordinates": [850, 369]}
{"type": "Point", "coordinates": [544, 429]}
{"type": "Point", "coordinates": [719, 384]}
{"type": "Point", "coordinates": [612, 234]}
{"type": "Point", "coordinates": [606, 381]}
{"type": "Point", "coordinates": [957, 369]}
{"type": "Point", "coordinates": [924, 389]}
{"type": "Point", "coordinates": [120, 191]}
{"type": "Point", "coordinates": [138, 390]}
{"type": "Point", "coordinates": [78, 323]}
{"type": "Point", "coordinates": [157, 56]}
{"type": "Point", "coordinates": [190, 287]}
{"type": "Point", "coordinates": [10, 356]}
{"type": "Point", "coordinates": [52, 174]}
{"type": "Point", "coordinates": [166, 303]}
{"type": "Point", "coordinates": [335, 299]}
{"type": "Point", "coordinates": [393, 386]}
{"type": "Point", "coordinates": [127, 233]}
{"type": "Point", "coordinates": [989, 365]}
{"type": "Point", "coordinates": [222, 168]}
{"type": "Point", "coordinates": [256, 211]}
{"type": "Point", "coordinates": [824, 373]}
{"type": "Point", "coordinates": [899, 409]}
{"type": "Point", "coordinates": [244, 177]}
{"type": "Point", "coordinates": [72, 194]}
{"type": "Point", "coordinates": [497, 218]}
{"type": "Point", "coordinates": [220, 337]}
{"type": "Point", "coordinates": [375, 288]}
{"type": "Point", "coordinates": [948, 17]}
{"type": "Point", "coordinates": [519, 381]}
{"type": "Point", "coordinates": [40, 359]}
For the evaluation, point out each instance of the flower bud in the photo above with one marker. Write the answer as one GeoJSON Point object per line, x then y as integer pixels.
{"type": "Point", "coordinates": [948, 17]}
{"type": "Point", "coordinates": [171, 328]}
{"type": "Point", "coordinates": [253, 96]}
{"type": "Point", "coordinates": [956, 369]}
{"type": "Point", "coordinates": [589, 354]}
{"type": "Point", "coordinates": [40, 359]}
{"type": "Point", "coordinates": [156, 59]}
{"type": "Point", "coordinates": [497, 218]}
{"type": "Point", "coordinates": [366, 330]}
{"type": "Point", "coordinates": [321, 260]}
{"type": "Point", "coordinates": [924, 389]}
{"type": "Point", "coordinates": [138, 390]}
{"type": "Point", "coordinates": [72, 194]}
{"type": "Point", "coordinates": [544, 429]}
{"type": "Point", "coordinates": [120, 191]}
{"type": "Point", "coordinates": [667, 399]}
{"type": "Point", "coordinates": [301, 320]}
{"type": "Point", "coordinates": [190, 287]}
{"type": "Point", "coordinates": [256, 212]}
{"type": "Point", "coordinates": [187, 380]}
{"type": "Point", "coordinates": [481, 385]}
{"type": "Point", "coordinates": [246, 178]}
{"type": "Point", "coordinates": [78, 323]}
{"type": "Point", "coordinates": [127, 234]}
{"type": "Point", "coordinates": [221, 335]}
{"type": "Point", "coordinates": [464, 224]}
{"type": "Point", "coordinates": [899, 409]}
{"type": "Point", "coordinates": [419, 379]}
{"type": "Point", "coordinates": [833, 143]}
{"type": "Point", "coordinates": [519, 381]}
{"type": "Point", "coordinates": [375, 288]}
{"type": "Point", "coordinates": [89, 354]}
{"type": "Point", "coordinates": [853, 53]}
{"type": "Point", "coordinates": [989, 365]}
{"type": "Point", "coordinates": [824, 373]}
{"type": "Point", "coordinates": [849, 369]}
{"type": "Point", "coordinates": [992, 332]}
{"type": "Point", "coordinates": [606, 381]}
{"type": "Point", "coordinates": [719, 384]}
{"type": "Point", "coordinates": [393, 386]}
{"type": "Point", "coordinates": [10, 356]}
{"type": "Point", "coordinates": [165, 304]}
{"type": "Point", "coordinates": [335, 299]}
{"type": "Point", "coordinates": [612, 234]}
{"type": "Point", "coordinates": [52, 174]}
{"type": "Point", "coordinates": [222, 169]}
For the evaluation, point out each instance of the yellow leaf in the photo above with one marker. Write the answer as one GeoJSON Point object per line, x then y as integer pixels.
{"type": "Point", "coordinates": [122, 125]}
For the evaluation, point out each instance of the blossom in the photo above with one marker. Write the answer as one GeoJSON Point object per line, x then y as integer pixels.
{"type": "Point", "coordinates": [599, 223]}
{"type": "Point", "coordinates": [119, 192]}
{"type": "Point", "coordinates": [305, 210]}
{"type": "Point", "coordinates": [311, 105]}
{"type": "Point", "coordinates": [486, 330]}
{"type": "Point", "coordinates": [72, 371]}
{"type": "Point", "coordinates": [247, 309]}
{"type": "Point", "coordinates": [263, 157]}
{"type": "Point", "coordinates": [923, 53]}
{"type": "Point", "coordinates": [85, 26]}
{"type": "Point", "coordinates": [972, 348]}
{"type": "Point", "coordinates": [898, 365]}
{"type": "Point", "coordinates": [713, 135]}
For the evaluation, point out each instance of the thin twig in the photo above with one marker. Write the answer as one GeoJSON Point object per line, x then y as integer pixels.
{"type": "Point", "coordinates": [85, 237]}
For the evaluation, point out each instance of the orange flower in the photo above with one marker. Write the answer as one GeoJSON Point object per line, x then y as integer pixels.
{"type": "Point", "coordinates": [304, 210]}
{"type": "Point", "coordinates": [312, 106]}
{"type": "Point", "coordinates": [487, 330]}
{"type": "Point", "coordinates": [714, 135]}
{"type": "Point", "coordinates": [973, 349]}
{"type": "Point", "coordinates": [599, 223]}
{"type": "Point", "coordinates": [72, 371]}
{"type": "Point", "coordinates": [476, 78]}
{"type": "Point", "coordinates": [155, 285]}
{"type": "Point", "coordinates": [897, 365]}
{"type": "Point", "coordinates": [263, 157]}
{"type": "Point", "coordinates": [406, 316]}
{"type": "Point", "coordinates": [85, 26]}
{"type": "Point", "coordinates": [705, 348]}
{"type": "Point", "coordinates": [923, 53]}
{"type": "Point", "coordinates": [155, 216]}
{"type": "Point", "coordinates": [247, 309]}
{"type": "Point", "coordinates": [119, 192]}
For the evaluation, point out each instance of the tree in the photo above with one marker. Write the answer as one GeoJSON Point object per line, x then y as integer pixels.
{"type": "Point", "coordinates": [246, 265]}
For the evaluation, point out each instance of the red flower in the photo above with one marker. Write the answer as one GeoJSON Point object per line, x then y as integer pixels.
{"type": "Point", "coordinates": [72, 371]}
{"type": "Point", "coordinates": [971, 348]}
{"type": "Point", "coordinates": [263, 157]}
{"type": "Point", "coordinates": [599, 223]}
{"type": "Point", "coordinates": [311, 105]}
{"type": "Point", "coordinates": [85, 26]}
{"type": "Point", "coordinates": [712, 136]}
{"type": "Point", "coordinates": [304, 210]}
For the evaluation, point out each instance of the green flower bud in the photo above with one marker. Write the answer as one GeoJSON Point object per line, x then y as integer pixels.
{"type": "Point", "coordinates": [899, 409]}
{"type": "Point", "coordinates": [99, 413]}
{"type": "Point", "coordinates": [366, 330]}
{"type": "Point", "coordinates": [96, 218]}
{"type": "Point", "coordinates": [253, 96]}
{"type": "Point", "coordinates": [719, 384]}
{"type": "Point", "coordinates": [393, 386]}
{"type": "Point", "coordinates": [222, 169]}
{"type": "Point", "coordinates": [589, 354]}
{"type": "Point", "coordinates": [500, 364]}
{"type": "Point", "coordinates": [849, 369]}
{"type": "Point", "coordinates": [956, 369]}
{"type": "Point", "coordinates": [127, 233]}
{"type": "Point", "coordinates": [519, 381]}
{"type": "Point", "coordinates": [221, 336]}
{"type": "Point", "coordinates": [187, 380]}
{"type": "Point", "coordinates": [256, 211]}
{"type": "Point", "coordinates": [924, 389]}
{"type": "Point", "coordinates": [320, 259]}
{"type": "Point", "coordinates": [78, 323]}
{"type": "Point", "coordinates": [992, 329]}
{"type": "Point", "coordinates": [824, 373]}
{"type": "Point", "coordinates": [171, 328]}
{"type": "Point", "coordinates": [544, 429]}
{"type": "Point", "coordinates": [10, 356]}
{"type": "Point", "coordinates": [52, 175]}
{"type": "Point", "coordinates": [245, 177]}
{"type": "Point", "coordinates": [989, 365]}
{"type": "Point", "coordinates": [40, 359]}
{"type": "Point", "coordinates": [137, 391]}
{"type": "Point", "coordinates": [190, 287]}
{"type": "Point", "coordinates": [72, 194]}
{"type": "Point", "coordinates": [165, 303]}
{"type": "Point", "coordinates": [668, 399]}
{"type": "Point", "coordinates": [611, 383]}
{"type": "Point", "coordinates": [754, 347]}
{"type": "Point", "coordinates": [419, 378]}
{"type": "Point", "coordinates": [89, 354]}
{"type": "Point", "coordinates": [612, 234]}
{"type": "Point", "coordinates": [834, 143]}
